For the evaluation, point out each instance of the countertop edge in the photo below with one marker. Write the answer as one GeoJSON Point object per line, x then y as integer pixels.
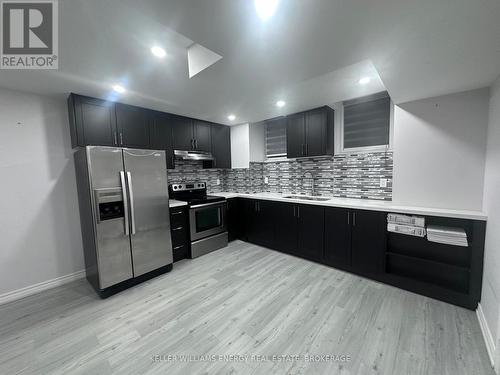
{"type": "Point", "coordinates": [372, 205]}
{"type": "Point", "coordinates": [172, 203]}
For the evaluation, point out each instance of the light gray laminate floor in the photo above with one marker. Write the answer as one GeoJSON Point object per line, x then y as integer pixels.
{"type": "Point", "coordinates": [240, 300]}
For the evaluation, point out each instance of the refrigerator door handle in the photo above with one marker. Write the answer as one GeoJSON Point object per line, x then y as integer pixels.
{"type": "Point", "coordinates": [131, 195]}
{"type": "Point", "coordinates": [125, 202]}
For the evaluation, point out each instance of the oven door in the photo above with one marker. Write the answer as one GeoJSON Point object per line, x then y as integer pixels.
{"type": "Point", "coordinates": [207, 219]}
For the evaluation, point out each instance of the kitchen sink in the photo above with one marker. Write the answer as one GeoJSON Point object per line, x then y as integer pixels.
{"type": "Point", "coordinates": [305, 198]}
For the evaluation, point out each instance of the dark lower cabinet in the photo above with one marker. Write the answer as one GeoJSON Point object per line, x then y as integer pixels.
{"type": "Point", "coordinates": [369, 241]}
{"type": "Point", "coordinates": [133, 126]}
{"type": "Point", "coordinates": [357, 241]}
{"type": "Point", "coordinates": [260, 222]}
{"type": "Point", "coordinates": [310, 234]}
{"type": "Point", "coordinates": [235, 219]}
{"type": "Point", "coordinates": [179, 230]}
{"type": "Point", "coordinates": [337, 237]}
{"type": "Point", "coordinates": [286, 225]}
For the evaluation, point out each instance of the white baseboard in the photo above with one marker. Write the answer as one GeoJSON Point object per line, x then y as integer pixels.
{"type": "Point", "coordinates": [488, 337]}
{"type": "Point", "coordinates": [37, 288]}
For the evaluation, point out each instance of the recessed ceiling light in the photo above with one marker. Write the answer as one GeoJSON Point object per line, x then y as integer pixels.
{"type": "Point", "coordinates": [265, 8]}
{"type": "Point", "coordinates": [280, 103]}
{"type": "Point", "coordinates": [364, 80]}
{"type": "Point", "coordinates": [158, 51]}
{"type": "Point", "coordinates": [119, 89]}
{"type": "Point", "coordinates": [231, 117]}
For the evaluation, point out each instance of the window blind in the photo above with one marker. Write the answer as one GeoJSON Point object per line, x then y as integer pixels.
{"type": "Point", "coordinates": [367, 121]}
{"type": "Point", "coordinates": [276, 137]}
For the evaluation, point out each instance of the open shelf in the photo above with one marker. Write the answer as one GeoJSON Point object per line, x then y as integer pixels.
{"type": "Point", "coordinates": [419, 247]}
{"type": "Point", "coordinates": [445, 275]}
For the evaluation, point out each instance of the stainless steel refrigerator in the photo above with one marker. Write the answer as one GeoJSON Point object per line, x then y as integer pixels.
{"type": "Point", "coordinates": [123, 199]}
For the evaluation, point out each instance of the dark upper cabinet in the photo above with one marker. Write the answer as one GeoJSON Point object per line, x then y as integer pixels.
{"type": "Point", "coordinates": [133, 126]}
{"type": "Point", "coordinates": [182, 133]}
{"type": "Point", "coordinates": [260, 220]}
{"type": "Point", "coordinates": [202, 136]}
{"type": "Point", "coordinates": [286, 225]}
{"type": "Point", "coordinates": [310, 133]}
{"type": "Point", "coordinates": [369, 241]}
{"type": "Point", "coordinates": [221, 146]}
{"type": "Point", "coordinates": [161, 136]}
{"type": "Point", "coordinates": [295, 135]}
{"type": "Point", "coordinates": [316, 132]}
{"type": "Point", "coordinates": [92, 121]}
{"type": "Point", "coordinates": [337, 237]}
{"type": "Point", "coordinates": [310, 232]}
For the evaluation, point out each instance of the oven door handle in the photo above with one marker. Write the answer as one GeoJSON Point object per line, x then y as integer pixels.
{"type": "Point", "coordinates": [208, 204]}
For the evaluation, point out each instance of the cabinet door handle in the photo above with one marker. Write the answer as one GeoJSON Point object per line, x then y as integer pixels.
{"type": "Point", "coordinates": [307, 149]}
{"type": "Point", "coordinates": [121, 139]}
{"type": "Point", "coordinates": [294, 214]}
{"type": "Point", "coordinates": [195, 144]}
{"type": "Point", "coordinates": [348, 221]}
{"type": "Point", "coordinates": [115, 139]}
{"type": "Point", "coordinates": [298, 211]}
{"type": "Point", "coordinates": [354, 219]}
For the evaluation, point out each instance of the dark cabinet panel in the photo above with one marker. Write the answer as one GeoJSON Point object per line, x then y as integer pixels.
{"type": "Point", "coordinates": [221, 146]}
{"type": "Point", "coordinates": [161, 136]}
{"type": "Point", "coordinates": [179, 229]}
{"type": "Point", "coordinates": [286, 228]}
{"type": "Point", "coordinates": [133, 126]}
{"type": "Point", "coordinates": [92, 121]}
{"type": "Point", "coordinates": [260, 222]}
{"type": "Point", "coordinates": [369, 240]}
{"type": "Point", "coordinates": [337, 237]}
{"type": "Point", "coordinates": [182, 133]}
{"type": "Point", "coordinates": [316, 124]}
{"type": "Point", "coordinates": [311, 221]}
{"type": "Point", "coordinates": [310, 133]}
{"type": "Point", "coordinates": [295, 135]}
{"type": "Point", "coordinates": [202, 136]}
{"type": "Point", "coordinates": [236, 219]}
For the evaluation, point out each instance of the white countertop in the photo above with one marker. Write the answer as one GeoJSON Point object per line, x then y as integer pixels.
{"type": "Point", "coordinates": [174, 203]}
{"type": "Point", "coordinates": [365, 204]}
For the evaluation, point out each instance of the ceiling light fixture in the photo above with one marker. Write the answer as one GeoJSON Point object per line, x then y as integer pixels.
{"type": "Point", "coordinates": [265, 8]}
{"type": "Point", "coordinates": [280, 103]}
{"type": "Point", "coordinates": [119, 89]}
{"type": "Point", "coordinates": [364, 80]}
{"type": "Point", "coordinates": [158, 51]}
{"type": "Point", "coordinates": [231, 117]}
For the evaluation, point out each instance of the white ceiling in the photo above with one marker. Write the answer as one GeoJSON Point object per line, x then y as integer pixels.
{"type": "Point", "coordinates": [311, 53]}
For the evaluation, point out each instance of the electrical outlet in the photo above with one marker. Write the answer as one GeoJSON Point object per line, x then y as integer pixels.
{"type": "Point", "coordinates": [383, 182]}
{"type": "Point", "coordinates": [266, 180]}
{"type": "Point", "coordinates": [218, 181]}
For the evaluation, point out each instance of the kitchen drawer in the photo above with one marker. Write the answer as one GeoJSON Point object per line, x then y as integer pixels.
{"type": "Point", "coordinates": [180, 252]}
{"type": "Point", "coordinates": [179, 237]}
{"type": "Point", "coordinates": [178, 217]}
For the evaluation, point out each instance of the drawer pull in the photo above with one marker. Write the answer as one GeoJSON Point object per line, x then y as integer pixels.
{"type": "Point", "coordinates": [177, 213]}
{"type": "Point", "coordinates": [178, 228]}
{"type": "Point", "coordinates": [178, 247]}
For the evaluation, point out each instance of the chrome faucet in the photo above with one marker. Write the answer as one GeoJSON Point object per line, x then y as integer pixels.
{"type": "Point", "coordinates": [312, 181]}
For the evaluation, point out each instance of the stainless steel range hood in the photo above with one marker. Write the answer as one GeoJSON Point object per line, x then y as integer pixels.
{"type": "Point", "coordinates": [193, 155]}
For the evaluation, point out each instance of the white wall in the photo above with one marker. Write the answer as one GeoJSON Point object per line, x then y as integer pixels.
{"type": "Point", "coordinates": [439, 151]}
{"type": "Point", "coordinates": [39, 220]}
{"type": "Point", "coordinates": [490, 298]}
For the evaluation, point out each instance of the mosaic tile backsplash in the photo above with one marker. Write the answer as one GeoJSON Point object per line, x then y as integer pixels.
{"type": "Point", "coordinates": [346, 175]}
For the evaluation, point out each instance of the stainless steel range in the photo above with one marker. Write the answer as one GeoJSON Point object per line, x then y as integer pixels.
{"type": "Point", "coordinates": [207, 217]}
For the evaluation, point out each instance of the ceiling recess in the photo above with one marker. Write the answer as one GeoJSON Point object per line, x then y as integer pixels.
{"type": "Point", "coordinates": [200, 58]}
